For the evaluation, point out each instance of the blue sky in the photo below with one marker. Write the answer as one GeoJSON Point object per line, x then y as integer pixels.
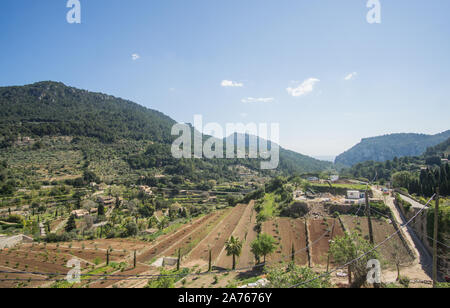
{"type": "Point", "coordinates": [187, 48]}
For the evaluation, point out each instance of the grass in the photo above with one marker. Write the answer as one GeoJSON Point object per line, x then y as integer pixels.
{"type": "Point", "coordinates": [343, 186]}
{"type": "Point", "coordinates": [268, 207]}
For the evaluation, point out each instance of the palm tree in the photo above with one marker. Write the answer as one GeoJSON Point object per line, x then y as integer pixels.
{"type": "Point", "coordinates": [234, 248]}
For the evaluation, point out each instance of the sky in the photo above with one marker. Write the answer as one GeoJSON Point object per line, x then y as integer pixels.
{"type": "Point", "coordinates": [318, 68]}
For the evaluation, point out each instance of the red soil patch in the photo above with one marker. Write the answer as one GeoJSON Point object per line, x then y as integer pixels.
{"type": "Point", "coordinates": [119, 245]}
{"type": "Point", "coordinates": [217, 237]}
{"type": "Point", "coordinates": [319, 238]}
{"type": "Point", "coordinates": [22, 280]}
{"type": "Point", "coordinates": [88, 254]}
{"type": "Point", "coordinates": [245, 232]}
{"type": "Point", "coordinates": [381, 230]}
{"type": "Point", "coordinates": [293, 232]}
{"type": "Point", "coordinates": [109, 281]}
{"type": "Point", "coordinates": [188, 242]}
{"type": "Point", "coordinates": [171, 239]}
{"type": "Point", "coordinates": [272, 228]}
{"type": "Point", "coordinates": [31, 261]}
{"type": "Point", "coordinates": [286, 232]}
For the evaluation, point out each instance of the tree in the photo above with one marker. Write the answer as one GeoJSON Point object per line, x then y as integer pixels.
{"type": "Point", "coordinates": [71, 224]}
{"type": "Point", "coordinates": [264, 245]}
{"type": "Point", "coordinates": [164, 223]}
{"type": "Point", "coordinates": [397, 257]}
{"type": "Point", "coordinates": [165, 281]}
{"type": "Point", "coordinates": [232, 200]}
{"type": "Point", "coordinates": [89, 177]}
{"type": "Point", "coordinates": [101, 210]}
{"type": "Point", "coordinates": [234, 248]}
{"type": "Point", "coordinates": [131, 229]}
{"type": "Point", "coordinates": [348, 249]}
{"type": "Point", "coordinates": [401, 179]}
{"type": "Point", "coordinates": [281, 276]}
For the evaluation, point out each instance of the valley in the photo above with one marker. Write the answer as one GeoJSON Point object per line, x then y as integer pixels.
{"type": "Point", "coordinates": [104, 191]}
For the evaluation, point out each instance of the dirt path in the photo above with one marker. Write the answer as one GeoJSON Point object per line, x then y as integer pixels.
{"type": "Point", "coordinates": [422, 256]}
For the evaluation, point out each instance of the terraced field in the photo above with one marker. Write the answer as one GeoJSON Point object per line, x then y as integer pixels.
{"type": "Point", "coordinates": [245, 231]}
{"type": "Point", "coordinates": [381, 230]}
{"type": "Point", "coordinates": [215, 240]}
{"type": "Point", "coordinates": [310, 239]}
{"type": "Point", "coordinates": [320, 233]}
{"type": "Point", "coordinates": [165, 242]}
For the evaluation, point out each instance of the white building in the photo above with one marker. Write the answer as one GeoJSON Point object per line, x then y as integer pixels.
{"type": "Point", "coordinates": [355, 195]}
{"type": "Point", "coordinates": [334, 178]}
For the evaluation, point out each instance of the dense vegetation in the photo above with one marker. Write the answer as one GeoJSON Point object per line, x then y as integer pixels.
{"type": "Point", "coordinates": [49, 108]}
{"type": "Point", "coordinates": [419, 175]}
{"type": "Point", "coordinates": [387, 147]}
{"type": "Point", "coordinates": [425, 184]}
{"type": "Point", "coordinates": [104, 123]}
{"type": "Point", "coordinates": [7, 185]}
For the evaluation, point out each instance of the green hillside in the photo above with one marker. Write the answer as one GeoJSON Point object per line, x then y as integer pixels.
{"type": "Point", "coordinates": [48, 125]}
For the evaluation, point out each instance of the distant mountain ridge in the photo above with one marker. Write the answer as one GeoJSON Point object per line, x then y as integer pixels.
{"type": "Point", "coordinates": [387, 147]}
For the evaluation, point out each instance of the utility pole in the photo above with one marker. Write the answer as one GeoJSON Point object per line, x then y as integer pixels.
{"type": "Point", "coordinates": [436, 220]}
{"type": "Point", "coordinates": [331, 239]}
{"type": "Point", "coordinates": [369, 218]}
{"type": "Point", "coordinates": [210, 262]}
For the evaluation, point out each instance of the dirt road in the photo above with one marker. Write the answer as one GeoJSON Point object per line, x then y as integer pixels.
{"type": "Point", "coordinates": [423, 258]}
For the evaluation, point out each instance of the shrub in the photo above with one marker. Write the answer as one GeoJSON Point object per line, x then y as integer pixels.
{"type": "Point", "coordinates": [404, 281]}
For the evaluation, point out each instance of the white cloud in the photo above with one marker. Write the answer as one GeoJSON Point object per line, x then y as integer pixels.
{"type": "Point", "coordinates": [351, 76]}
{"type": "Point", "coordinates": [258, 100]}
{"type": "Point", "coordinates": [135, 57]}
{"type": "Point", "coordinates": [229, 83]}
{"type": "Point", "coordinates": [306, 87]}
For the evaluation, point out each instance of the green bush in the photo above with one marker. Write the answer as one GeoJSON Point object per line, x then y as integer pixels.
{"type": "Point", "coordinates": [404, 281]}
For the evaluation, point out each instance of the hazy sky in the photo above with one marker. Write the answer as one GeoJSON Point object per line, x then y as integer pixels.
{"type": "Point", "coordinates": [316, 67]}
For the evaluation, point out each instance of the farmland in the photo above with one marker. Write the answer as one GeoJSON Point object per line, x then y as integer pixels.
{"type": "Point", "coordinates": [145, 231]}
{"type": "Point", "coordinates": [381, 230]}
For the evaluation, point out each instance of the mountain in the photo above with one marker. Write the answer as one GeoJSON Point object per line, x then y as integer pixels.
{"type": "Point", "coordinates": [50, 108]}
{"type": "Point", "coordinates": [441, 150]}
{"type": "Point", "coordinates": [290, 161]}
{"type": "Point", "coordinates": [433, 157]}
{"type": "Point", "coordinates": [129, 133]}
{"type": "Point", "coordinates": [387, 147]}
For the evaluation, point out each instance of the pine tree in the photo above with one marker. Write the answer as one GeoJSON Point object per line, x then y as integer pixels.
{"type": "Point", "coordinates": [101, 210]}
{"type": "Point", "coordinates": [71, 224]}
